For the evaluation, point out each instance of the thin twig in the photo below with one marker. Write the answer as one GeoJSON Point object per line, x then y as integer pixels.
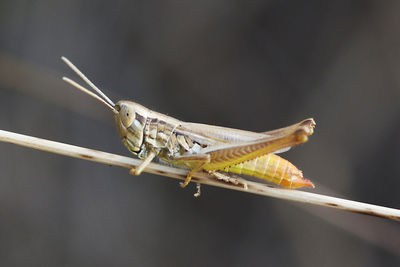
{"type": "Point", "coordinates": [201, 177]}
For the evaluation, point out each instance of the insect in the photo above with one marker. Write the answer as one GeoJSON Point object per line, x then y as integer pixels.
{"type": "Point", "coordinates": [199, 147]}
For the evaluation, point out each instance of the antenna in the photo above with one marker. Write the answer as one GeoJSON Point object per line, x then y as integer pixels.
{"type": "Point", "coordinates": [86, 91]}
{"type": "Point", "coordinates": [106, 100]}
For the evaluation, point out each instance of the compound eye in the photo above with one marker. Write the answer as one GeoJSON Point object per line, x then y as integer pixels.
{"type": "Point", "coordinates": [126, 116]}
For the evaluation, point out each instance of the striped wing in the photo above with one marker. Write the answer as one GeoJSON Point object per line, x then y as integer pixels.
{"type": "Point", "coordinates": [228, 154]}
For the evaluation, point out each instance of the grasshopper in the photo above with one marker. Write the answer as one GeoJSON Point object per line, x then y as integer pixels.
{"type": "Point", "coordinates": [200, 147]}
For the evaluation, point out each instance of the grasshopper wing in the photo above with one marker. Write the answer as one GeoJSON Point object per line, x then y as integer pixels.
{"type": "Point", "coordinates": [208, 135]}
{"type": "Point", "coordinates": [224, 155]}
{"type": "Point", "coordinates": [216, 134]}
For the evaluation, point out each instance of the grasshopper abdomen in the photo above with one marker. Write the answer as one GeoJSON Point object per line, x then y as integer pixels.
{"type": "Point", "coordinates": [272, 168]}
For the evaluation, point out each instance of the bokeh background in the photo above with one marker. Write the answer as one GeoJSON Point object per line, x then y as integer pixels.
{"type": "Point", "coordinates": [255, 65]}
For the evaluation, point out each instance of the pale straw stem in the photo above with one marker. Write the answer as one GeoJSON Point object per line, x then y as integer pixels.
{"type": "Point", "coordinates": [201, 177]}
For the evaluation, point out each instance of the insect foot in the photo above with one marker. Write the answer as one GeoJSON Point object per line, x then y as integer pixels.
{"type": "Point", "coordinates": [198, 187]}
{"type": "Point", "coordinates": [229, 179]}
{"type": "Point", "coordinates": [134, 171]}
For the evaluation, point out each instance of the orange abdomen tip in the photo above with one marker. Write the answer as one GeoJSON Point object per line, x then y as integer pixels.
{"type": "Point", "coordinates": [297, 182]}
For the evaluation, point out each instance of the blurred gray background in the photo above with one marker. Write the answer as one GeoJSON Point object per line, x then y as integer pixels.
{"type": "Point", "coordinates": [255, 65]}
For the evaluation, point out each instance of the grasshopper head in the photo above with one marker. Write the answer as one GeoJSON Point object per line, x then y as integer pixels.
{"type": "Point", "coordinates": [130, 121]}
{"type": "Point", "coordinates": [129, 116]}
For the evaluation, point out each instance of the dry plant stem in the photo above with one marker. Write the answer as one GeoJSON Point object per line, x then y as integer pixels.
{"type": "Point", "coordinates": [203, 178]}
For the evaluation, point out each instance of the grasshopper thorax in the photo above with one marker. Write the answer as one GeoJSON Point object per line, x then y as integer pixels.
{"type": "Point", "coordinates": [131, 121]}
